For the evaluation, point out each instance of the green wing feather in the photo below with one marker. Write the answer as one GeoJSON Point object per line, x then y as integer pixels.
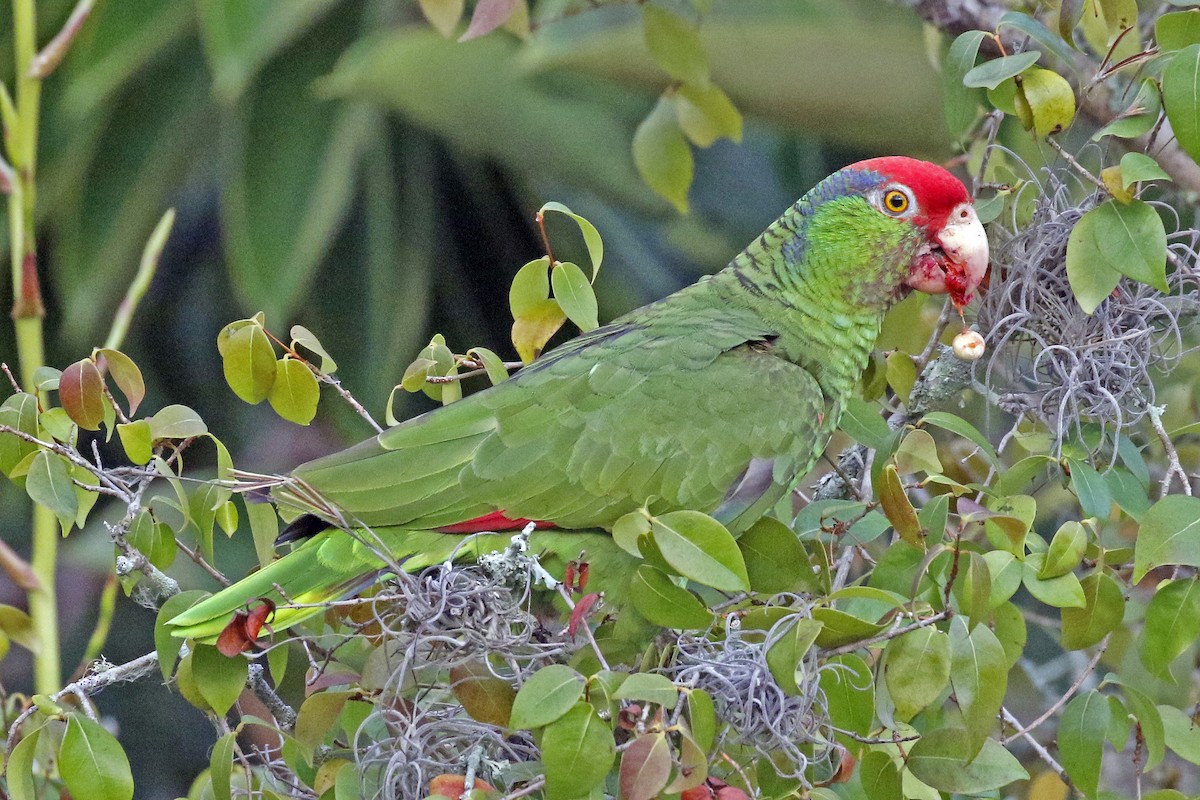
{"type": "Point", "coordinates": [667, 408]}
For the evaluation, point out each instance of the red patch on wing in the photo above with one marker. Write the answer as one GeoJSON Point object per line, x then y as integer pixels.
{"type": "Point", "coordinates": [494, 521]}
{"type": "Point", "coordinates": [937, 191]}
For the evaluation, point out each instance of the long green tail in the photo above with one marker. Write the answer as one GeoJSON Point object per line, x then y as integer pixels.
{"type": "Point", "coordinates": [333, 565]}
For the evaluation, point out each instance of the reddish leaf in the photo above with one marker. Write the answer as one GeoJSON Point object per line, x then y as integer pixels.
{"type": "Point", "coordinates": [584, 569]}
{"type": "Point", "coordinates": [241, 633]}
{"type": "Point", "coordinates": [456, 785]}
{"type": "Point", "coordinates": [488, 15]}
{"type": "Point", "coordinates": [580, 612]}
{"type": "Point", "coordinates": [233, 639]}
{"type": "Point", "coordinates": [645, 767]}
{"type": "Point", "coordinates": [714, 789]}
{"type": "Point", "coordinates": [81, 391]}
{"type": "Point", "coordinates": [569, 576]}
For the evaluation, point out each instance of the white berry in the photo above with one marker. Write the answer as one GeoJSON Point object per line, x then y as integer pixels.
{"type": "Point", "coordinates": [969, 346]}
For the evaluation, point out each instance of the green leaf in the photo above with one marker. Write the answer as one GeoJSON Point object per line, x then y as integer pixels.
{"type": "Point", "coordinates": [674, 44]}
{"type": "Point", "coordinates": [548, 694]}
{"type": "Point", "coordinates": [702, 715]}
{"type": "Point", "coordinates": [961, 103]}
{"type": "Point", "coordinates": [645, 767]}
{"type": "Point", "coordinates": [317, 716]}
{"type": "Point", "coordinates": [221, 766]}
{"type": "Point", "coordinates": [841, 628]}
{"type": "Point", "coordinates": [917, 669]}
{"type": "Point", "coordinates": [1051, 101]}
{"type": "Point", "coordinates": [786, 654]}
{"type": "Point", "coordinates": [443, 15]}
{"type": "Point", "coordinates": [48, 483]}
{"type": "Point", "coordinates": [1172, 624]}
{"type": "Point", "coordinates": [1181, 97]}
{"type": "Point", "coordinates": [701, 549]}
{"type": "Point", "coordinates": [1182, 734]}
{"type": "Point", "coordinates": [1063, 591]}
{"type": "Point", "coordinates": [879, 776]}
{"type": "Point", "coordinates": [1066, 550]}
{"type": "Point", "coordinates": [1090, 488]}
{"type": "Point", "coordinates": [1009, 524]}
{"type": "Point", "coordinates": [1103, 610]}
{"type": "Point", "coordinates": [248, 359]}
{"type": "Point", "coordinates": [92, 763]}
{"type": "Point", "coordinates": [940, 759]}
{"type": "Point", "coordinates": [19, 769]}
{"type": "Point", "coordinates": [493, 365]}
{"type": "Point", "coordinates": [307, 340]}
{"type": "Point", "coordinates": [1114, 239]}
{"type": "Point", "coordinates": [1169, 535]}
{"type": "Point", "coordinates": [1139, 118]}
{"type": "Point", "coordinates": [657, 598]}
{"type": "Point", "coordinates": [775, 559]}
{"type": "Point", "coordinates": [917, 453]}
{"type": "Point", "coordinates": [1005, 572]}
{"type": "Point", "coordinates": [530, 286]}
{"type": "Point", "coordinates": [862, 422]}
{"type": "Point", "coordinates": [1177, 30]}
{"type": "Point", "coordinates": [136, 440]}
{"type": "Point", "coordinates": [153, 539]}
{"type": "Point", "coordinates": [591, 236]}
{"type": "Point", "coordinates": [1081, 732]}
{"type": "Point", "coordinates": [219, 680]}
{"type": "Point", "coordinates": [901, 374]}
{"type": "Point", "coordinates": [81, 391]}
{"type": "Point", "coordinates": [295, 392]}
{"type": "Point", "coordinates": [973, 589]}
{"type": "Point", "coordinates": [534, 327]}
{"type": "Point", "coordinates": [662, 155]}
{"type": "Point", "coordinates": [979, 675]}
{"type": "Point", "coordinates": [707, 114]}
{"type": "Point", "coordinates": [166, 645]}
{"type": "Point", "coordinates": [1056, 44]}
{"type": "Point", "coordinates": [575, 295]}
{"type": "Point", "coordinates": [577, 752]}
{"type": "Point", "coordinates": [649, 688]}
{"type": "Point", "coordinates": [1137, 167]}
{"type": "Point", "coordinates": [482, 695]}
{"type": "Point", "coordinates": [125, 375]}
{"type": "Point", "coordinates": [1151, 724]}
{"type": "Point", "coordinates": [20, 412]}
{"type": "Point", "coordinates": [991, 74]}
{"type": "Point", "coordinates": [177, 422]}
{"type": "Point", "coordinates": [1091, 277]}
{"type": "Point", "coordinates": [960, 427]}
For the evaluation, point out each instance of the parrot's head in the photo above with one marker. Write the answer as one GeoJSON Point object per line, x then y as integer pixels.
{"type": "Point", "coordinates": [952, 256]}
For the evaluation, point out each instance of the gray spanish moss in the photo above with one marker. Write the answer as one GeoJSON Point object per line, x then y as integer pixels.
{"type": "Point", "coordinates": [1048, 359]}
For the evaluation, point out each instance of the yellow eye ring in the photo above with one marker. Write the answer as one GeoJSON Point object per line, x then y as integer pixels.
{"type": "Point", "coordinates": [895, 202]}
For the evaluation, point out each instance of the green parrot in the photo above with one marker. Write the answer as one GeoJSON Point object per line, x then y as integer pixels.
{"type": "Point", "coordinates": [717, 398]}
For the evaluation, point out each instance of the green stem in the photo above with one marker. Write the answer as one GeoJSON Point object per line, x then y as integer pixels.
{"type": "Point", "coordinates": [27, 313]}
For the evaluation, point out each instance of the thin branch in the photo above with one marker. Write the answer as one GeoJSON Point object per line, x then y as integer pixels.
{"type": "Point", "coordinates": [1037, 746]}
{"type": "Point", "coordinates": [1173, 466]}
{"type": "Point", "coordinates": [1067, 695]}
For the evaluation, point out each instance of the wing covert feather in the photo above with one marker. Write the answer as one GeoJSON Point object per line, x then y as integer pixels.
{"type": "Point", "coordinates": [637, 411]}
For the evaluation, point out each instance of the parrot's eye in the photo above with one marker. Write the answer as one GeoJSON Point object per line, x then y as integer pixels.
{"type": "Point", "coordinates": [895, 201]}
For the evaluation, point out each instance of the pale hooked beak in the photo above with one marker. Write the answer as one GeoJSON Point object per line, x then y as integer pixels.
{"type": "Point", "coordinates": [956, 260]}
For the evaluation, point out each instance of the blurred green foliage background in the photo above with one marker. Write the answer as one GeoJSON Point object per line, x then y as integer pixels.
{"type": "Point", "coordinates": [339, 164]}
